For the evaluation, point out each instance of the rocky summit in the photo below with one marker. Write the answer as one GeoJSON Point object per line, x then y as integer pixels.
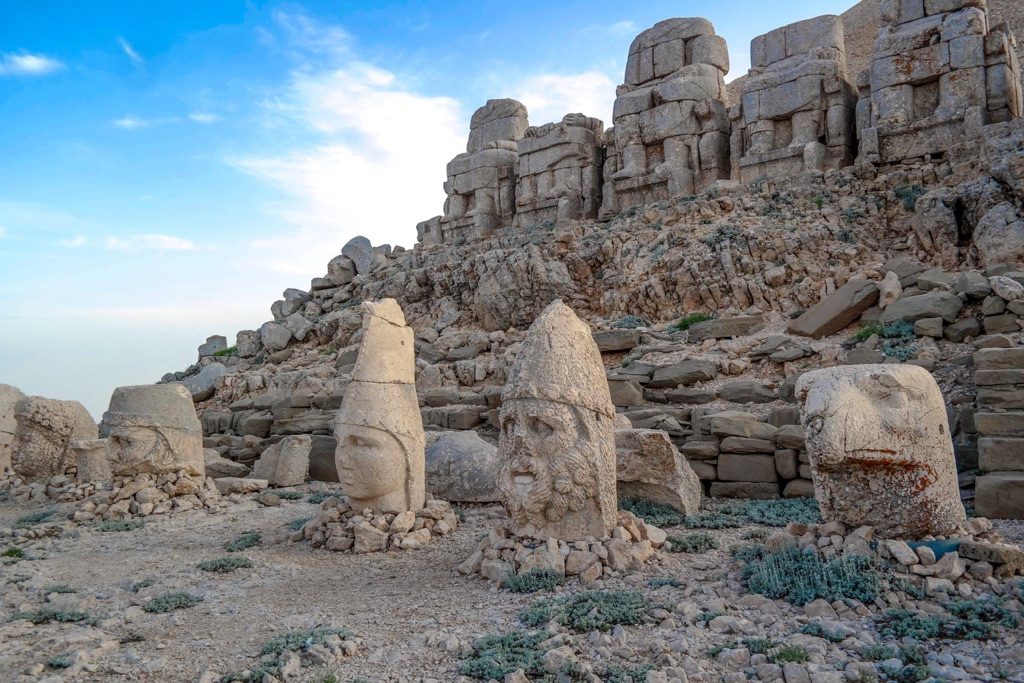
{"type": "Point", "coordinates": [730, 389]}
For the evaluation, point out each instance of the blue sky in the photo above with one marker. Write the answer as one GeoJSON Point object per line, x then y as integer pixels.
{"type": "Point", "coordinates": [168, 168]}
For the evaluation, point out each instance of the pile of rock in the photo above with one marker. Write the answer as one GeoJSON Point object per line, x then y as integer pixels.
{"type": "Point", "coordinates": [339, 528]}
{"type": "Point", "coordinates": [999, 376]}
{"type": "Point", "coordinates": [502, 554]}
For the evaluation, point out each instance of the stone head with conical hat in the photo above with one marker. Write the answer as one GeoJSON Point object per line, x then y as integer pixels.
{"type": "Point", "coordinates": [153, 430]}
{"type": "Point", "coordinates": [380, 453]}
{"type": "Point", "coordinates": [557, 442]}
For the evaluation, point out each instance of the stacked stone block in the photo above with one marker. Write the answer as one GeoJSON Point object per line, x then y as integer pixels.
{"type": "Point", "coordinates": [939, 73]}
{"type": "Point", "coordinates": [797, 109]}
{"type": "Point", "coordinates": [999, 376]}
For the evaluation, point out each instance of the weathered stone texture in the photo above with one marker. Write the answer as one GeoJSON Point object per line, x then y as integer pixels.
{"type": "Point", "coordinates": [880, 449]}
{"type": "Point", "coordinates": [557, 441]}
{"type": "Point", "coordinates": [649, 466]}
{"type": "Point", "coordinates": [154, 430]}
{"type": "Point", "coordinates": [39, 449]}
{"type": "Point", "coordinates": [462, 467]}
{"type": "Point", "coordinates": [9, 397]}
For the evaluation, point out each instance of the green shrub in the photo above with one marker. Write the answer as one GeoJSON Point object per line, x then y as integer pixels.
{"type": "Point", "coordinates": [912, 654]}
{"type": "Point", "coordinates": [226, 565]}
{"type": "Point", "coordinates": [713, 520]}
{"type": "Point", "coordinates": [692, 543]}
{"type": "Point", "coordinates": [659, 581]}
{"type": "Point", "coordinates": [967, 620]}
{"type": "Point", "coordinates": [630, 322]}
{"type": "Point", "coordinates": [58, 662]}
{"type": "Point", "coordinates": [818, 631]}
{"type": "Point", "coordinates": [115, 525]}
{"type": "Point", "coordinates": [28, 521]}
{"type": "Point", "coordinates": [790, 653]}
{"type": "Point", "coordinates": [800, 577]}
{"type": "Point", "coordinates": [62, 588]}
{"type": "Point", "coordinates": [244, 542]}
{"type": "Point", "coordinates": [319, 497]}
{"type": "Point", "coordinates": [708, 615]}
{"type": "Point", "coordinates": [139, 585]}
{"type": "Point", "coordinates": [755, 535]}
{"type": "Point", "coordinates": [903, 352]}
{"type": "Point", "coordinates": [286, 495]}
{"type": "Point", "coordinates": [783, 511]}
{"type": "Point", "coordinates": [47, 615]}
{"type": "Point", "coordinates": [496, 656]}
{"type": "Point", "coordinates": [617, 673]}
{"type": "Point", "coordinates": [909, 195]}
{"type": "Point", "coordinates": [898, 329]}
{"type": "Point", "coordinates": [760, 646]}
{"type": "Point", "coordinates": [297, 524]}
{"type": "Point", "coordinates": [19, 578]}
{"type": "Point", "coordinates": [168, 602]}
{"type": "Point", "coordinates": [132, 637]}
{"type": "Point", "coordinates": [589, 611]}
{"type": "Point", "coordinates": [689, 321]}
{"type": "Point", "coordinates": [534, 580]}
{"type": "Point", "coordinates": [878, 653]}
{"type": "Point", "coordinates": [987, 611]}
{"type": "Point", "coordinates": [301, 640]}
{"type": "Point", "coordinates": [652, 513]}
{"type": "Point", "coordinates": [15, 552]}
{"type": "Point", "coordinates": [230, 351]}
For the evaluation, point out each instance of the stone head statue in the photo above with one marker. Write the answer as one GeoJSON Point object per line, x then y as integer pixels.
{"type": "Point", "coordinates": [880, 449]}
{"type": "Point", "coordinates": [381, 445]}
{"type": "Point", "coordinates": [557, 441]}
{"type": "Point", "coordinates": [154, 430]}
{"type": "Point", "coordinates": [45, 428]}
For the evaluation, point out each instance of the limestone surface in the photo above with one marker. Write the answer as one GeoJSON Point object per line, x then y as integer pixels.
{"type": "Point", "coordinates": [557, 440]}
{"type": "Point", "coordinates": [462, 467]}
{"type": "Point", "coordinates": [154, 430]}
{"type": "Point", "coordinates": [880, 450]}
{"type": "Point", "coordinates": [46, 426]}
{"type": "Point", "coordinates": [649, 466]}
{"type": "Point", "coordinates": [90, 457]}
{"type": "Point", "coordinates": [9, 397]}
{"type": "Point", "coordinates": [379, 431]}
{"type": "Point", "coordinates": [286, 463]}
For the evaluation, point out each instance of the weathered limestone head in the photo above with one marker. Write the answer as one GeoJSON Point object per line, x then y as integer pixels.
{"type": "Point", "coordinates": [498, 121]}
{"type": "Point", "coordinates": [39, 449]}
{"type": "Point", "coordinates": [672, 44]}
{"type": "Point", "coordinates": [880, 449]}
{"type": "Point", "coordinates": [381, 443]}
{"type": "Point", "coordinates": [153, 430]}
{"type": "Point", "coordinates": [557, 441]}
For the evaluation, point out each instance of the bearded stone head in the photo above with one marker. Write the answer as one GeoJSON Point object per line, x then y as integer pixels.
{"type": "Point", "coordinates": [153, 430]}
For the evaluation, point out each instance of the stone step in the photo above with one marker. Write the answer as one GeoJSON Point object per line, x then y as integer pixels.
{"type": "Point", "coordinates": [1000, 424]}
{"type": "Point", "coordinates": [1000, 454]}
{"type": "Point", "coordinates": [1000, 495]}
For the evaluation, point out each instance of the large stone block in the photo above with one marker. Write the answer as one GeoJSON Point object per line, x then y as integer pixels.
{"type": "Point", "coordinates": [1000, 454]}
{"type": "Point", "coordinates": [751, 468]}
{"type": "Point", "coordinates": [836, 312]}
{"type": "Point", "coordinates": [684, 372]}
{"type": "Point", "coordinates": [462, 467]}
{"type": "Point", "coordinates": [1000, 495]}
{"type": "Point", "coordinates": [649, 466]}
{"type": "Point", "coordinates": [45, 428]}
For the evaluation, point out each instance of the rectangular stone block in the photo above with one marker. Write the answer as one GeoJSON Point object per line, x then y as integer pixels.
{"type": "Point", "coordinates": [1000, 495]}
{"type": "Point", "coordinates": [915, 66]}
{"type": "Point", "coordinates": [1000, 424]}
{"type": "Point", "coordinates": [1009, 398]}
{"type": "Point", "coordinates": [967, 52]}
{"type": "Point", "coordinates": [1000, 454]}
{"type": "Point", "coordinates": [751, 490]}
{"type": "Point", "coordinates": [999, 359]}
{"type": "Point", "coordinates": [705, 471]}
{"type": "Point", "coordinates": [742, 445]}
{"type": "Point", "coordinates": [985, 378]}
{"type": "Point", "coordinates": [836, 312]}
{"type": "Point", "coordinates": [750, 468]}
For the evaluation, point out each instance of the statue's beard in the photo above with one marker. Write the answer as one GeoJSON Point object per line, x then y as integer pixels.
{"type": "Point", "coordinates": [538, 491]}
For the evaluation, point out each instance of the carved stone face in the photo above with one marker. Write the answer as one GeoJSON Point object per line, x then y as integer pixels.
{"type": "Point", "coordinates": [128, 446]}
{"type": "Point", "coordinates": [547, 469]}
{"type": "Point", "coordinates": [371, 464]}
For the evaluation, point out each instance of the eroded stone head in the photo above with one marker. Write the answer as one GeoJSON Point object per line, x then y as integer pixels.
{"type": "Point", "coordinates": [45, 427]}
{"type": "Point", "coordinates": [880, 449]}
{"type": "Point", "coordinates": [379, 431]}
{"type": "Point", "coordinates": [153, 430]}
{"type": "Point", "coordinates": [557, 442]}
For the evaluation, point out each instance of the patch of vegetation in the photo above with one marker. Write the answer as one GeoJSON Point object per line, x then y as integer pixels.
{"type": "Point", "coordinates": [912, 654]}
{"type": "Point", "coordinates": [29, 521]}
{"type": "Point", "coordinates": [908, 674]}
{"type": "Point", "coordinates": [47, 615]}
{"type": "Point", "coordinates": [132, 637]}
{"type": "Point", "coordinates": [15, 552]}
{"type": "Point", "coordinates": [818, 631]}
{"type": "Point", "coordinates": [286, 495]}
{"type": "Point", "coordinates": [58, 662]}
{"type": "Point", "coordinates": [709, 615]}
{"type": "Point", "coordinates": [760, 646]}
{"type": "Point", "coordinates": [115, 525]}
{"type": "Point", "coordinates": [800, 577]}
{"type": "Point", "coordinates": [297, 524]}
{"type": "Point", "coordinates": [979, 624]}
{"type": "Point", "coordinates": [630, 322]}
{"type": "Point", "coordinates": [790, 653]}
{"type": "Point", "coordinates": [878, 653]}
{"type": "Point", "coordinates": [797, 313]}
{"type": "Point", "coordinates": [909, 195]}
{"type": "Point", "coordinates": [659, 581]}
{"type": "Point", "coordinates": [988, 611]}
{"type": "Point", "coordinates": [714, 520]}
{"type": "Point", "coordinates": [688, 321]}
{"type": "Point", "coordinates": [590, 610]}
{"type": "Point", "coordinates": [168, 602]}
{"type": "Point", "coordinates": [616, 673]}
{"type": "Point", "coordinates": [244, 542]}
{"type": "Point", "coordinates": [226, 565]}
{"type": "Point", "coordinates": [915, 592]}
{"type": "Point", "coordinates": [902, 352]}
{"type": "Point", "coordinates": [230, 351]}
{"type": "Point", "coordinates": [295, 641]}
{"type": "Point", "coordinates": [534, 580]}
{"type": "Point", "coordinates": [62, 588]}
{"type": "Point", "coordinates": [755, 535]}
{"type": "Point", "coordinates": [692, 543]}
{"type": "Point", "coordinates": [319, 497]}
{"type": "Point", "coordinates": [652, 513]}
{"type": "Point", "coordinates": [496, 656]}
{"type": "Point", "coordinates": [139, 585]}
{"type": "Point", "coordinates": [19, 578]}
{"type": "Point", "coordinates": [783, 511]}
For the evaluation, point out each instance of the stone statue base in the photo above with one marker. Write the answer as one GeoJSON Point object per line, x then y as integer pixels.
{"type": "Point", "coordinates": [340, 528]}
{"type": "Point", "coordinates": [502, 554]}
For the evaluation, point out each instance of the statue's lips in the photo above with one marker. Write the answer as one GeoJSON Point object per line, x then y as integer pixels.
{"type": "Point", "coordinates": [523, 478]}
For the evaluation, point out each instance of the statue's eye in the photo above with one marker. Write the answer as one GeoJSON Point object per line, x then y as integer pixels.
{"type": "Point", "coordinates": [541, 428]}
{"type": "Point", "coordinates": [358, 441]}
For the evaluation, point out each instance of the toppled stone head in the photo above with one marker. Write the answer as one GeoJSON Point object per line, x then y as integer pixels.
{"type": "Point", "coordinates": [557, 442]}
{"type": "Point", "coordinates": [380, 453]}
{"type": "Point", "coordinates": [45, 427]}
{"type": "Point", "coordinates": [154, 430]}
{"type": "Point", "coordinates": [880, 449]}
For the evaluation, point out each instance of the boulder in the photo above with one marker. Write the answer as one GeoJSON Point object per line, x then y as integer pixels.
{"type": "Point", "coordinates": [360, 251]}
{"type": "Point", "coordinates": [462, 467]}
{"type": "Point", "coordinates": [625, 393]}
{"type": "Point", "coordinates": [90, 457]}
{"type": "Point", "coordinates": [931, 305]}
{"type": "Point", "coordinates": [274, 336]}
{"type": "Point", "coordinates": [1006, 288]}
{"type": "Point", "coordinates": [286, 463]}
{"type": "Point", "coordinates": [725, 328]}
{"type": "Point", "coordinates": [836, 312]}
{"type": "Point", "coordinates": [684, 372]}
{"type": "Point", "coordinates": [616, 340]}
{"type": "Point", "coordinates": [153, 429]}
{"type": "Point", "coordinates": [747, 391]}
{"type": "Point", "coordinates": [229, 485]}
{"type": "Point", "coordinates": [218, 467]}
{"type": "Point", "coordinates": [203, 385]}
{"type": "Point", "coordinates": [213, 345]}
{"type": "Point", "coordinates": [649, 466]}
{"type": "Point", "coordinates": [999, 495]}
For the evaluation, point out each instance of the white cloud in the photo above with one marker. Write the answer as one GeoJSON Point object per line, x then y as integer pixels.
{"type": "Point", "coordinates": [74, 242]}
{"type": "Point", "coordinates": [159, 242]}
{"type": "Point", "coordinates": [25, 64]}
{"type": "Point", "coordinates": [203, 117]}
{"type": "Point", "coordinates": [130, 51]}
{"type": "Point", "coordinates": [549, 97]}
{"type": "Point", "coordinates": [304, 33]}
{"type": "Point", "coordinates": [135, 122]}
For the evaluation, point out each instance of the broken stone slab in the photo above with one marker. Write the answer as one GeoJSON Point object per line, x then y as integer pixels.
{"type": "Point", "coordinates": [738, 426]}
{"type": "Point", "coordinates": [285, 463]}
{"type": "Point", "coordinates": [625, 392]}
{"type": "Point", "coordinates": [91, 460]}
{"type": "Point", "coordinates": [213, 344]}
{"type": "Point", "coordinates": [999, 495]}
{"type": "Point", "coordinates": [1000, 424]}
{"type": "Point", "coordinates": [999, 359]}
{"type": "Point", "coordinates": [462, 467]}
{"type": "Point", "coordinates": [725, 328]}
{"type": "Point", "coordinates": [649, 466]}
{"type": "Point", "coordinates": [684, 372]}
{"type": "Point", "coordinates": [747, 468]}
{"type": "Point", "coordinates": [746, 391]}
{"type": "Point", "coordinates": [229, 485]}
{"type": "Point", "coordinates": [931, 305]}
{"type": "Point", "coordinates": [616, 340]}
{"type": "Point", "coordinates": [218, 467]}
{"type": "Point", "coordinates": [203, 385]}
{"type": "Point", "coordinates": [836, 312]}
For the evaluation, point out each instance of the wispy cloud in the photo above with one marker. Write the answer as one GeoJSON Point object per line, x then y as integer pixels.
{"type": "Point", "coordinates": [549, 97]}
{"type": "Point", "coordinates": [159, 242]}
{"type": "Point", "coordinates": [300, 32]}
{"type": "Point", "coordinates": [203, 117]}
{"type": "Point", "coordinates": [73, 242]}
{"type": "Point", "coordinates": [135, 122]}
{"type": "Point", "coordinates": [26, 64]}
{"type": "Point", "coordinates": [130, 51]}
